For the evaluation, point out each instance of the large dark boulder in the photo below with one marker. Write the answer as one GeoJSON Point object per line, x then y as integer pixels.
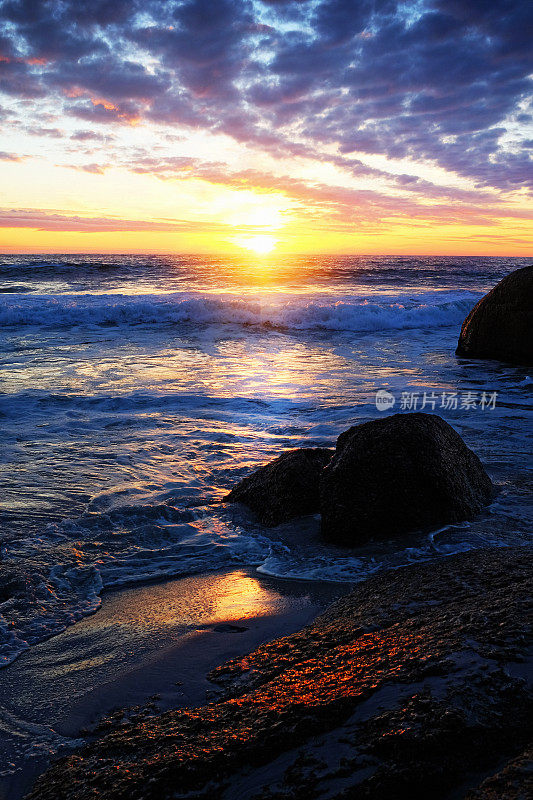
{"type": "Point", "coordinates": [287, 487]}
{"type": "Point", "coordinates": [402, 473]}
{"type": "Point", "coordinates": [500, 326]}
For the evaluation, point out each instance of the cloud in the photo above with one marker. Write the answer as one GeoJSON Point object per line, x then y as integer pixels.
{"type": "Point", "coordinates": [441, 81]}
{"type": "Point", "coordinates": [41, 130]}
{"type": "Point", "coordinates": [206, 44]}
{"type": "Point", "coordinates": [104, 77]}
{"type": "Point", "coordinates": [340, 207]}
{"type": "Point", "coordinates": [87, 136]}
{"type": "Point", "coordinates": [101, 111]}
{"type": "Point", "coordinates": [93, 169]}
{"type": "Point", "coordinates": [62, 221]}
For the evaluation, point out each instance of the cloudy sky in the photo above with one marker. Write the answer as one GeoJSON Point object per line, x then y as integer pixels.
{"type": "Point", "coordinates": [359, 126]}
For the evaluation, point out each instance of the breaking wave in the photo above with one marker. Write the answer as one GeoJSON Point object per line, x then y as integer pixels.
{"type": "Point", "coordinates": [436, 309]}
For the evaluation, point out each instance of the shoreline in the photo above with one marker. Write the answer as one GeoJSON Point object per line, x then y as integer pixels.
{"type": "Point", "coordinates": [162, 638]}
{"type": "Point", "coordinates": [414, 684]}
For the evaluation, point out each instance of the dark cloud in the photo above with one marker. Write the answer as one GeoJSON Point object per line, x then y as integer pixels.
{"type": "Point", "coordinates": [205, 43]}
{"type": "Point", "coordinates": [103, 77]}
{"type": "Point", "coordinates": [17, 80]}
{"type": "Point", "coordinates": [87, 136]}
{"type": "Point", "coordinates": [40, 130]}
{"type": "Point", "coordinates": [101, 12]}
{"type": "Point", "coordinates": [338, 21]}
{"type": "Point", "coordinates": [438, 80]}
{"type": "Point", "coordinates": [47, 29]}
{"type": "Point", "coordinates": [102, 112]}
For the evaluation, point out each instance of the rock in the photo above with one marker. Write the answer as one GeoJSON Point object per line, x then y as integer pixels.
{"type": "Point", "coordinates": [501, 325]}
{"type": "Point", "coordinates": [285, 488]}
{"type": "Point", "coordinates": [12, 583]}
{"type": "Point", "coordinates": [398, 474]}
{"type": "Point", "coordinates": [513, 782]}
{"type": "Point", "coordinates": [226, 627]}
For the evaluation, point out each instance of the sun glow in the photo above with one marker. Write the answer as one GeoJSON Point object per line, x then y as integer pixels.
{"type": "Point", "coordinates": [260, 244]}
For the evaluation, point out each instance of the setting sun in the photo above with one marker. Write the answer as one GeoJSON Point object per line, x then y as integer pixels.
{"type": "Point", "coordinates": [261, 244]}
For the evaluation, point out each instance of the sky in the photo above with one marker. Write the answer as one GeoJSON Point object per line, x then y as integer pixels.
{"type": "Point", "coordinates": [312, 126]}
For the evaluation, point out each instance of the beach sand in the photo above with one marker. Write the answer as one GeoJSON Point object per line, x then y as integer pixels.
{"type": "Point", "coordinates": [161, 639]}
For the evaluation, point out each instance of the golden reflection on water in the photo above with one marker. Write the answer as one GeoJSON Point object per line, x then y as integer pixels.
{"type": "Point", "coordinates": [239, 596]}
{"type": "Point", "coordinates": [271, 365]}
{"type": "Point", "coordinates": [198, 601]}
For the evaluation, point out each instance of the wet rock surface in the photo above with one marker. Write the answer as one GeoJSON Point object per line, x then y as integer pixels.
{"type": "Point", "coordinates": [12, 583]}
{"type": "Point", "coordinates": [500, 326]}
{"type": "Point", "coordinates": [397, 474]}
{"type": "Point", "coordinates": [285, 488]}
{"type": "Point", "coordinates": [412, 686]}
{"type": "Point", "coordinates": [513, 782]}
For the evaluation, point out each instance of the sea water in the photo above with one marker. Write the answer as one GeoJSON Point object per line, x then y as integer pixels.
{"type": "Point", "coordinates": [136, 390]}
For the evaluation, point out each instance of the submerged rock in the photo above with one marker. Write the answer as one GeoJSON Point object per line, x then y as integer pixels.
{"type": "Point", "coordinates": [285, 488]}
{"type": "Point", "coordinates": [501, 325]}
{"type": "Point", "coordinates": [398, 474]}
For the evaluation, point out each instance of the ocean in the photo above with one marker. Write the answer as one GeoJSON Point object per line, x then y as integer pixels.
{"type": "Point", "coordinates": [136, 390]}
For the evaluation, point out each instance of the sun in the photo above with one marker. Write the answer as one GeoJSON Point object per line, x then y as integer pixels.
{"type": "Point", "coordinates": [260, 244]}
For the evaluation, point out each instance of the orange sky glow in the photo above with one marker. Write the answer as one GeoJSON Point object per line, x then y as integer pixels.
{"type": "Point", "coordinates": [139, 143]}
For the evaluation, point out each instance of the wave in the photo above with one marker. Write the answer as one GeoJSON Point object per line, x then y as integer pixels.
{"type": "Point", "coordinates": [65, 568]}
{"type": "Point", "coordinates": [358, 314]}
{"type": "Point", "coordinates": [114, 544]}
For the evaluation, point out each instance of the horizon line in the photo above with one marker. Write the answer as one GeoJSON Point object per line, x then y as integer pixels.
{"type": "Point", "coordinates": [248, 256]}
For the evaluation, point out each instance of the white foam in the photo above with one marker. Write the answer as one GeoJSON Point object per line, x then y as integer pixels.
{"type": "Point", "coordinates": [11, 643]}
{"type": "Point", "coordinates": [32, 740]}
{"type": "Point", "coordinates": [293, 312]}
{"type": "Point", "coordinates": [135, 544]}
{"type": "Point", "coordinates": [62, 597]}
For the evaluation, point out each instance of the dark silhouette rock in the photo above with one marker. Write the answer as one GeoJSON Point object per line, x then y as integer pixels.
{"type": "Point", "coordinates": [12, 583]}
{"type": "Point", "coordinates": [513, 782]}
{"type": "Point", "coordinates": [398, 474]}
{"type": "Point", "coordinates": [287, 487]}
{"type": "Point", "coordinates": [500, 326]}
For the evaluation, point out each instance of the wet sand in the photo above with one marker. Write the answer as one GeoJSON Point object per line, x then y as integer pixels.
{"type": "Point", "coordinates": [161, 639]}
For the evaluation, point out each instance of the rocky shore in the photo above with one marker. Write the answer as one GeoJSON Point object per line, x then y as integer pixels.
{"type": "Point", "coordinates": [413, 686]}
